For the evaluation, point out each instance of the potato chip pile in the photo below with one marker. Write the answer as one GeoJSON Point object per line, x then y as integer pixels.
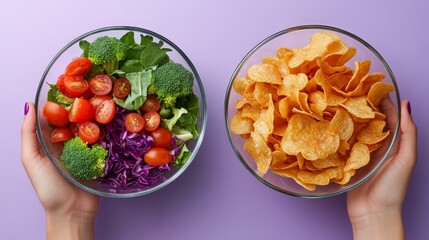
{"type": "Point", "coordinates": [305, 115]}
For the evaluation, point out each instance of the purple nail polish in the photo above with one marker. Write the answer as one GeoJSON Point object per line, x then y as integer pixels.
{"type": "Point", "coordinates": [409, 108]}
{"type": "Point", "coordinates": [26, 108]}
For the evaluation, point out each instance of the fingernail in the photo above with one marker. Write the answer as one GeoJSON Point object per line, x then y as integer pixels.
{"type": "Point", "coordinates": [26, 108]}
{"type": "Point", "coordinates": [409, 107]}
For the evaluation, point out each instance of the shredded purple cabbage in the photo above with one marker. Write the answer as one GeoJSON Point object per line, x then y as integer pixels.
{"type": "Point", "coordinates": [124, 164]}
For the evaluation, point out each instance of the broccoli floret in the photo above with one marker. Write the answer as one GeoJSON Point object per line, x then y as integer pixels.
{"type": "Point", "coordinates": [171, 81]}
{"type": "Point", "coordinates": [82, 161]}
{"type": "Point", "coordinates": [107, 52]}
{"type": "Point", "coordinates": [165, 112]}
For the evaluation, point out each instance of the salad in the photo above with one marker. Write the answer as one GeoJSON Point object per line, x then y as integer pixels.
{"type": "Point", "coordinates": [124, 111]}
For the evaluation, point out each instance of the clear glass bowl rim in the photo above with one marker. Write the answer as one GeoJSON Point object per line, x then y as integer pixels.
{"type": "Point", "coordinates": [295, 29]}
{"type": "Point", "coordinates": [203, 111]}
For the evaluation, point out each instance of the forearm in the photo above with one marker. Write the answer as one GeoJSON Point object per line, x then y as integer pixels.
{"type": "Point", "coordinates": [382, 226]}
{"type": "Point", "coordinates": [69, 226]}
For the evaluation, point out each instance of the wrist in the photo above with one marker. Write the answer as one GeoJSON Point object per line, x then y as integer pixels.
{"type": "Point", "coordinates": [75, 225]}
{"type": "Point", "coordinates": [385, 225]}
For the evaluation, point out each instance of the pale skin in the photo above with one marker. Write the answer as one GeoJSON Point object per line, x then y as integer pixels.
{"type": "Point", "coordinates": [70, 211]}
{"type": "Point", "coordinates": [374, 208]}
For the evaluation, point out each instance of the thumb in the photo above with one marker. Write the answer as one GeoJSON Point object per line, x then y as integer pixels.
{"type": "Point", "coordinates": [408, 142]}
{"type": "Point", "coordinates": [29, 142]}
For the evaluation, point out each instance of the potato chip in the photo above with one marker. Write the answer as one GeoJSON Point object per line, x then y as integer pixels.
{"type": "Point", "coordinates": [365, 84]}
{"type": "Point", "coordinates": [346, 177]}
{"type": "Point", "coordinates": [359, 157]}
{"type": "Point", "coordinates": [275, 61]}
{"type": "Point", "coordinates": [318, 178]}
{"type": "Point", "coordinates": [300, 159]}
{"type": "Point", "coordinates": [375, 147]}
{"type": "Point", "coordinates": [316, 116]}
{"type": "Point", "coordinates": [284, 68]}
{"type": "Point", "coordinates": [342, 123]}
{"type": "Point", "coordinates": [351, 52]}
{"type": "Point", "coordinates": [303, 101]}
{"type": "Point", "coordinates": [286, 105]}
{"type": "Point", "coordinates": [248, 111]}
{"type": "Point", "coordinates": [361, 69]}
{"type": "Point", "coordinates": [240, 84]}
{"type": "Point", "coordinates": [264, 125]}
{"type": "Point", "coordinates": [306, 115]}
{"type": "Point", "coordinates": [373, 133]}
{"type": "Point", "coordinates": [331, 98]}
{"type": "Point", "coordinates": [313, 139]}
{"type": "Point", "coordinates": [332, 160]}
{"type": "Point", "coordinates": [284, 53]}
{"type": "Point", "coordinates": [344, 148]}
{"type": "Point", "coordinates": [249, 97]}
{"type": "Point", "coordinates": [340, 80]}
{"type": "Point", "coordinates": [318, 47]}
{"type": "Point", "coordinates": [358, 107]}
{"type": "Point", "coordinates": [281, 160]}
{"type": "Point", "coordinates": [263, 152]}
{"type": "Point", "coordinates": [292, 85]}
{"type": "Point", "coordinates": [264, 73]}
{"type": "Point", "coordinates": [377, 92]}
{"type": "Point", "coordinates": [261, 92]}
{"type": "Point", "coordinates": [317, 102]}
{"type": "Point", "coordinates": [292, 173]}
{"type": "Point", "coordinates": [240, 124]}
{"type": "Point", "coordinates": [308, 165]}
{"type": "Point", "coordinates": [328, 69]}
{"type": "Point", "coordinates": [280, 128]}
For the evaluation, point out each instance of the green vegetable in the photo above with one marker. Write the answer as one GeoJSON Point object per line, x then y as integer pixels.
{"type": "Point", "coordinates": [183, 157]}
{"type": "Point", "coordinates": [144, 55]}
{"type": "Point", "coordinates": [183, 124]}
{"type": "Point", "coordinates": [82, 161]}
{"type": "Point", "coordinates": [177, 113]}
{"type": "Point", "coordinates": [171, 81]}
{"type": "Point", "coordinates": [139, 83]}
{"type": "Point", "coordinates": [55, 95]}
{"type": "Point", "coordinates": [106, 52]}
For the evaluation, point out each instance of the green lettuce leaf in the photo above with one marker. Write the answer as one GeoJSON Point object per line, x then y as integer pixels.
{"type": "Point", "coordinates": [139, 82]}
{"type": "Point", "coordinates": [183, 157]}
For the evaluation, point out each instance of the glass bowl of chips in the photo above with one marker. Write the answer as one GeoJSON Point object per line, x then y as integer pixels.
{"type": "Point", "coordinates": [123, 168]}
{"type": "Point", "coordinates": [312, 111]}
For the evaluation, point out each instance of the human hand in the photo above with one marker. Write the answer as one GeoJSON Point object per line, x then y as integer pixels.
{"type": "Point", "coordinates": [70, 211]}
{"type": "Point", "coordinates": [375, 207]}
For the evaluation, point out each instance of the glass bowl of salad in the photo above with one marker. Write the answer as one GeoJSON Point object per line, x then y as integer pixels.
{"type": "Point", "coordinates": [121, 111]}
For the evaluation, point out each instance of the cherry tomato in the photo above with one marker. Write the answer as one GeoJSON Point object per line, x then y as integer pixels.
{"type": "Point", "coordinates": [89, 132]}
{"type": "Point", "coordinates": [87, 94]}
{"type": "Point", "coordinates": [122, 88]}
{"type": "Point", "coordinates": [61, 87]}
{"type": "Point", "coordinates": [100, 84]}
{"type": "Point", "coordinates": [134, 122]}
{"type": "Point", "coordinates": [161, 137]}
{"type": "Point", "coordinates": [81, 111]}
{"type": "Point", "coordinates": [79, 66]}
{"type": "Point", "coordinates": [152, 104]}
{"type": "Point", "coordinates": [157, 156]}
{"type": "Point", "coordinates": [97, 100]}
{"type": "Point", "coordinates": [56, 114]}
{"type": "Point", "coordinates": [105, 111]}
{"type": "Point", "coordinates": [61, 134]}
{"type": "Point", "coordinates": [152, 120]}
{"type": "Point", "coordinates": [75, 85]}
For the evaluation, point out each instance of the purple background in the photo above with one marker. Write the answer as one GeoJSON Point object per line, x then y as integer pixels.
{"type": "Point", "coordinates": [216, 198]}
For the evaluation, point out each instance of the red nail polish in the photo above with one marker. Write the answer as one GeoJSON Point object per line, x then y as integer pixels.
{"type": "Point", "coordinates": [409, 108]}
{"type": "Point", "coordinates": [26, 108]}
